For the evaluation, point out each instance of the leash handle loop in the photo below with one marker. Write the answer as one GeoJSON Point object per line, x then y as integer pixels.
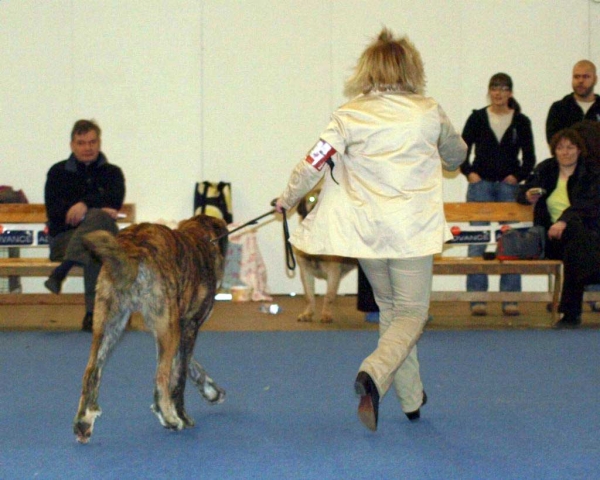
{"type": "Point", "coordinates": [289, 252]}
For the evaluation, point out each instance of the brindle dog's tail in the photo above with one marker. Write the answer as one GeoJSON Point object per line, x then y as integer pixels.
{"type": "Point", "coordinates": [121, 268]}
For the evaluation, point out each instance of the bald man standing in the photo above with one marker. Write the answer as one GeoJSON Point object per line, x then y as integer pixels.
{"type": "Point", "coordinates": [582, 104]}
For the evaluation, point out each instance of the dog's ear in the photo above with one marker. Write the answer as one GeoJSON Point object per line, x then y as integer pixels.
{"type": "Point", "coordinates": [308, 202]}
{"type": "Point", "coordinates": [220, 231]}
{"type": "Point", "coordinates": [223, 244]}
{"type": "Point", "coordinates": [301, 209]}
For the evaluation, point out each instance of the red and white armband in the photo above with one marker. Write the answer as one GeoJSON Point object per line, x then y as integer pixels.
{"type": "Point", "coordinates": [319, 154]}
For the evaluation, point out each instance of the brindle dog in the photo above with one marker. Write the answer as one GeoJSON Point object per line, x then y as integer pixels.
{"type": "Point", "coordinates": [171, 277]}
{"type": "Point", "coordinates": [328, 267]}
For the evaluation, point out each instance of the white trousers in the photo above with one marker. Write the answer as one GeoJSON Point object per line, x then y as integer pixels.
{"type": "Point", "coordinates": [402, 288]}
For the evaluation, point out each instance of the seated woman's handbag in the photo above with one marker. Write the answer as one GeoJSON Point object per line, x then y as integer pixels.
{"type": "Point", "coordinates": [522, 244]}
{"type": "Point", "coordinates": [9, 195]}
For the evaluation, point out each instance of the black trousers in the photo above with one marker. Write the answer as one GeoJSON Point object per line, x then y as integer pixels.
{"type": "Point", "coordinates": [579, 249]}
{"type": "Point", "coordinates": [69, 246]}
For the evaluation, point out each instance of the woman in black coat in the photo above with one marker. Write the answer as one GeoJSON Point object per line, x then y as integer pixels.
{"type": "Point", "coordinates": [565, 190]}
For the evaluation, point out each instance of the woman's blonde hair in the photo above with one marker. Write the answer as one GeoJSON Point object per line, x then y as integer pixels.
{"type": "Point", "coordinates": [388, 64]}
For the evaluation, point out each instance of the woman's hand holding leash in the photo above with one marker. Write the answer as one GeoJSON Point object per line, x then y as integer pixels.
{"type": "Point", "coordinates": [276, 202]}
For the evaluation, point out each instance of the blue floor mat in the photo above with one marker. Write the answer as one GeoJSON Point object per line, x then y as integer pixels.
{"type": "Point", "coordinates": [502, 404]}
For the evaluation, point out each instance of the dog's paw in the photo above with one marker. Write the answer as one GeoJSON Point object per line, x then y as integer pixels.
{"type": "Point", "coordinates": [188, 421]}
{"type": "Point", "coordinates": [84, 425]}
{"type": "Point", "coordinates": [83, 432]}
{"type": "Point", "coordinates": [212, 393]}
{"type": "Point", "coordinates": [326, 315]}
{"type": "Point", "coordinates": [207, 387]}
{"type": "Point", "coordinates": [172, 422]}
{"type": "Point", "coordinates": [305, 317]}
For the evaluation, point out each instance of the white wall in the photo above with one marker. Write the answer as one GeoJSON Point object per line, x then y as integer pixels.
{"type": "Point", "coordinates": [186, 90]}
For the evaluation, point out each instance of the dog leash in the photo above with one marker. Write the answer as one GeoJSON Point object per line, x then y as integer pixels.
{"type": "Point", "coordinates": [254, 221]}
{"type": "Point", "coordinates": [289, 253]}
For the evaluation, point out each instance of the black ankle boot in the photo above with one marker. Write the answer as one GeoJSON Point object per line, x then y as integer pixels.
{"type": "Point", "coordinates": [568, 321]}
{"type": "Point", "coordinates": [368, 408]}
{"type": "Point", "coordinates": [54, 284]}
{"type": "Point", "coordinates": [88, 322]}
{"type": "Point", "coordinates": [412, 416]}
{"type": "Point", "coordinates": [58, 275]}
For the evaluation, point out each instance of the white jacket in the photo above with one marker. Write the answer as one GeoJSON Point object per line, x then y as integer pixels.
{"type": "Point", "coordinates": [391, 148]}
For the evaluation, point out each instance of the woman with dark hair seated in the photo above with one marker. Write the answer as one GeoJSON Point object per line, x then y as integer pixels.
{"type": "Point", "coordinates": [565, 190]}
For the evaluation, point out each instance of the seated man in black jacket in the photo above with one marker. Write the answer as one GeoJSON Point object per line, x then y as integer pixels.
{"type": "Point", "coordinates": [83, 193]}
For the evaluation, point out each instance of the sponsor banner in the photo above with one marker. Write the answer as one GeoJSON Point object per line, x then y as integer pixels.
{"type": "Point", "coordinates": [477, 234]}
{"type": "Point", "coordinates": [16, 237]}
{"type": "Point", "coordinates": [42, 237]}
{"type": "Point", "coordinates": [474, 236]}
{"type": "Point", "coordinates": [465, 227]}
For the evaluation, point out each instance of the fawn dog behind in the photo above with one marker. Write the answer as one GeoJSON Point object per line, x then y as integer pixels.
{"type": "Point", "coordinates": [171, 277]}
{"type": "Point", "coordinates": [328, 267]}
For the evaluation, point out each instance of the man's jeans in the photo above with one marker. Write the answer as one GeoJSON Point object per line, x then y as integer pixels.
{"type": "Point", "coordinates": [485, 191]}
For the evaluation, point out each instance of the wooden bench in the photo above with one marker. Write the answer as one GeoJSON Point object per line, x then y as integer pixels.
{"type": "Point", "coordinates": [457, 213]}
{"type": "Point", "coordinates": [32, 217]}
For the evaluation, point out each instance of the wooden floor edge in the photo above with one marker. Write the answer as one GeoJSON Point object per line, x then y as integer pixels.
{"type": "Point", "coordinates": [41, 299]}
{"type": "Point", "coordinates": [53, 315]}
{"type": "Point", "coordinates": [436, 296]}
